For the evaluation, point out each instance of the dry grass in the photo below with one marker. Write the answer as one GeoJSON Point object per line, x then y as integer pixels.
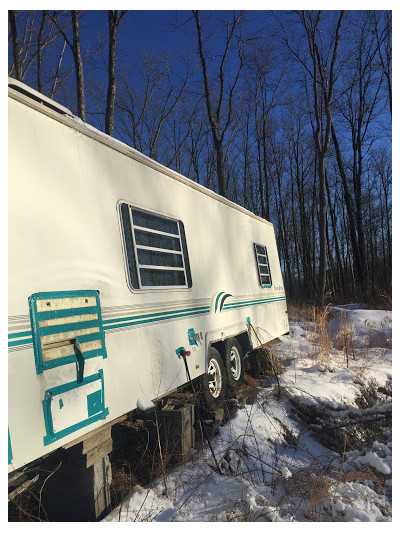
{"type": "Point", "coordinates": [319, 335]}
{"type": "Point", "coordinates": [345, 338]}
{"type": "Point", "coordinates": [301, 313]}
{"type": "Point", "coordinates": [264, 362]}
{"type": "Point", "coordinates": [123, 480]}
{"type": "Point", "coordinates": [310, 491]}
{"type": "Point", "coordinates": [382, 300]}
{"type": "Point", "coordinates": [386, 300]}
{"type": "Point", "coordinates": [316, 322]}
{"type": "Point", "coordinates": [360, 368]}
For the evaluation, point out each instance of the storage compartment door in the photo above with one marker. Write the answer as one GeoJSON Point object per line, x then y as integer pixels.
{"type": "Point", "coordinates": [61, 321]}
{"type": "Point", "coordinates": [72, 406]}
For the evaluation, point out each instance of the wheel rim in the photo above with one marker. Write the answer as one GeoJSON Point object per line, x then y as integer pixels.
{"type": "Point", "coordinates": [235, 363]}
{"type": "Point", "coordinates": [214, 378]}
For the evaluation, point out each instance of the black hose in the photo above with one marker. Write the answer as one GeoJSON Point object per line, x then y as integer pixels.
{"type": "Point", "coordinates": [199, 414]}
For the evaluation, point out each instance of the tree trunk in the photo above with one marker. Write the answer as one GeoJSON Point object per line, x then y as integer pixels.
{"type": "Point", "coordinates": [322, 231]}
{"type": "Point", "coordinates": [222, 189]}
{"type": "Point", "coordinates": [214, 117]}
{"type": "Point", "coordinates": [39, 56]}
{"type": "Point", "coordinates": [114, 19]}
{"type": "Point", "coordinates": [76, 50]}
{"type": "Point", "coordinates": [340, 281]}
{"type": "Point", "coordinates": [265, 190]}
{"type": "Point", "coordinates": [16, 58]}
{"type": "Point", "coordinates": [112, 81]}
{"type": "Point", "coordinates": [350, 213]}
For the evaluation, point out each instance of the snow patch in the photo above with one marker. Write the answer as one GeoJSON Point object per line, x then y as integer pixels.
{"type": "Point", "coordinates": [143, 404]}
{"type": "Point", "coordinates": [372, 459]}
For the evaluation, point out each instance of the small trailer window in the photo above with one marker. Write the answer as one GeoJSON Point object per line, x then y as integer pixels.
{"type": "Point", "coordinates": [264, 272]}
{"type": "Point", "coordinates": [155, 248]}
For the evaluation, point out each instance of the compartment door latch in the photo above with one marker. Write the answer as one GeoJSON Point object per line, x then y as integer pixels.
{"type": "Point", "coordinates": [80, 360]}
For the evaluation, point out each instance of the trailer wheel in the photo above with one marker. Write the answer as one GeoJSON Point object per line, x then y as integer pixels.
{"type": "Point", "coordinates": [214, 381]}
{"type": "Point", "coordinates": [234, 363]}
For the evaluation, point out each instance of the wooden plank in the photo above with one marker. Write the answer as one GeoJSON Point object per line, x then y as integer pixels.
{"type": "Point", "coordinates": [66, 320]}
{"type": "Point", "coordinates": [22, 487]}
{"type": "Point", "coordinates": [102, 477]}
{"type": "Point", "coordinates": [98, 453]}
{"type": "Point", "coordinates": [65, 335]}
{"type": "Point", "coordinates": [94, 431]}
{"type": "Point", "coordinates": [65, 349]}
{"type": "Point", "coordinates": [53, 304]}
{"type": "Point", "coordinates": [96, 440]}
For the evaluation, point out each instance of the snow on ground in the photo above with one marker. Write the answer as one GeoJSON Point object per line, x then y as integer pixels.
{"type": "Point", "coordinates": [273, 464]}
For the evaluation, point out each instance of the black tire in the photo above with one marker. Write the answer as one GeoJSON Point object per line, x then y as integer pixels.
{"type": "Point", "coordinates": [233, 358]}
{"type": "Point", "coordinates": [214, 380]}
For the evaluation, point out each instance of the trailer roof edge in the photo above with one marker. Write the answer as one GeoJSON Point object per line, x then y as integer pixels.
{"type": "Point", "coordinates": [25, 95]}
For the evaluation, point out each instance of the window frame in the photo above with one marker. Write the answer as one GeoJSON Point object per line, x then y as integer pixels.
{"type": "Point", "coordinates": [134, 266]}
{"type": "Point", "coordinates": [260, 274]}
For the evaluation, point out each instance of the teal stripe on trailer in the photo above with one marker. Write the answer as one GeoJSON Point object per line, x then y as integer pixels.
{"type": "Point", "coordinates": [157, 319]}
{"type": "Point", "coordinates": [270, 299]}
{"type": "Point", "coordinates": [82, 338]}
{"type": "Point", "coordinates": [216, 301]}
{"type": "Point", "coordinates": [19, 334]}
{"type": "Point", "coordinates": [19, 342]}
{"type": "Point", "coordinates": [114, 323]}
{"type": "Point", "coordinates": [249, 305]}
{"type": "Point", "coordinates": [153, 315]}
{"type": "Point", "coordinates": [10, 455]}
{"type": "Point", "coordinates": [255, 302]}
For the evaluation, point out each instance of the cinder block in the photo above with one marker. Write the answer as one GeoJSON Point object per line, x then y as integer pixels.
{"type": "Point", "coordinates": [176, 430]}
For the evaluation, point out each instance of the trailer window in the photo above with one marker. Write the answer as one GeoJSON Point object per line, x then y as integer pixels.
{"type": "Point", "coordinates": [264, 272]}
{"type": "Point", "coordinates": [155, 249]}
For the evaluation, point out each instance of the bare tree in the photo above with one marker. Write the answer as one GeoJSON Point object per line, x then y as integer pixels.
{"type": "Point", "coordinates": [265, 81]}
{"type": "Point", "coordinates": [40, 45]}
{"type": "Point", "coordinates": [196, 147]}
{"type": "Point", "coordinates": [75, 47]}
{"type": "Point", "coordinates": [359, 106]}
{"type": "Point", "coordinates": [76, 51]}
{"type": "Point", "coordinates": [384, 43]}
{"type": "Point", "coordinates": [143, 114]}
{"type": "Point", "coordinates": [40, 42]}
{"type": "Point", "coordinates": [215, 113]}
{"type": "Point", "coordinates": [15, 45]}
{"type": "Point", "coordinates": [114, 20]}
{"type": "Point", "coordinates": [322, 77]}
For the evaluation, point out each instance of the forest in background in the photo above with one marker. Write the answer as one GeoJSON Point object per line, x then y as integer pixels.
{"type": "Point", "coordinates": [287, 113]}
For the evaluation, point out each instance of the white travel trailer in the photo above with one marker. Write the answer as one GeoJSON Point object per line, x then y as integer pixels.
{"type": "Point", "coordinates": [118, 268]}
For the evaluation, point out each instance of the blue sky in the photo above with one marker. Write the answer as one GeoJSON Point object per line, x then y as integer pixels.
{"type": "Point", "coordinates": [152, 31]}
{"type": "Point", "coordinates": [146, 30]}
